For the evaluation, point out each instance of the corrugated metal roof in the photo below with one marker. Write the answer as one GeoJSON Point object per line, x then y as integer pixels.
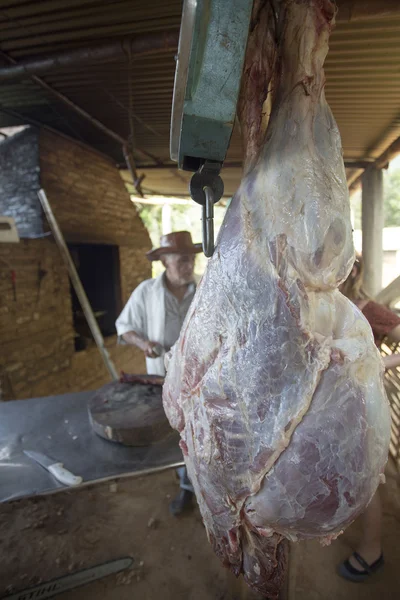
{"type": "Point", "coordinates": [363, 84]}
{"type": "Point", "coordinates": [362, 71]}
{"type": "Point", "coordinates": [106, 89]}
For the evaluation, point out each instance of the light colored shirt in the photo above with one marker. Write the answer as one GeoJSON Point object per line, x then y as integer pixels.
{"type": "Point", "coordinates": [175, 313]}
{"type": "Point", "coordinates": [156, 315]}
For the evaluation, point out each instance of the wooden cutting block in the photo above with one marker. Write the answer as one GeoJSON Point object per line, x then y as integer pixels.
{"type": "Point", "coordinates": [130, 413]}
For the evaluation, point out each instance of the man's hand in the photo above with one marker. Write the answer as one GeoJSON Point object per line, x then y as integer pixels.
{"type": "Point", "coordinates": [150, 349]}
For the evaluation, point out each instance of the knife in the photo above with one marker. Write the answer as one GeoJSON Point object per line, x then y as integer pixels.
{"type": "Point", "coordinates": [55, 468]}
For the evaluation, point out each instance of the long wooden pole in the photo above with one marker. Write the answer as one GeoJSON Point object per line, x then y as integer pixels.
{"type": "Point", "coordinates": [76, 282]}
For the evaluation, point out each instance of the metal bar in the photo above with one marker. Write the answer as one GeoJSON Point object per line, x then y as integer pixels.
{"type": "Point", "coordinates": [208, 223]}
{"type": "Point", "coordinates": [76, 282]}
{"type": "Point", "coordinates": [349, 164]}
{"type": "Point", "coordinates": [70, 104]}
{"type": "Point", "coordinates": [173, 166]}
{"type": "Point", "coordinates": [61, 60]}
{"type": "Point", "coordinates": [139, 45]}
{"type": "Point", "coordinates": [77, 109]}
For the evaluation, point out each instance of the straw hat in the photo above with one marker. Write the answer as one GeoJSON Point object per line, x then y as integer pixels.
{"type": "Point", "coordinates": [177, 242]}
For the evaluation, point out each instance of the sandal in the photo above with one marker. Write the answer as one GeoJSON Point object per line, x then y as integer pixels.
{"type": "Point", "coordinates": [347, 571]}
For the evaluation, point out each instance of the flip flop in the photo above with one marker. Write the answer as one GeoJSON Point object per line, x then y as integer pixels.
{"type": "Point", "coordinates": [347, 571]}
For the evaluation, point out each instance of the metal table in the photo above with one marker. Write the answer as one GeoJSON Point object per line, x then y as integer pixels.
{"type": "Point", "coordinates": [59, 427]}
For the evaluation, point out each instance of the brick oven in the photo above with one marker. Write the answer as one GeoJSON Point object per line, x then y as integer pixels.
{"type": "Point", "coordinates": [45, 345]}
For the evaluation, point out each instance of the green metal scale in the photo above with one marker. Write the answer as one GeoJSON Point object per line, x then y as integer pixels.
{"type": "Point", "coordinates": [211, 53]}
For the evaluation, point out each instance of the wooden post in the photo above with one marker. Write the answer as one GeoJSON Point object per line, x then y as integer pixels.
{"type": "Point", "coordinates": [372, 229]}
{"type": "Point", "coordinates": [76, 282]}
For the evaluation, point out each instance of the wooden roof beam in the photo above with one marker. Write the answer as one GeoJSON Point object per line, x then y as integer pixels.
{"type": "Point", "coordinates": [382, 162]}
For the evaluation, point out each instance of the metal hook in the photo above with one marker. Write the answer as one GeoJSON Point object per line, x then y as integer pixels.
{"type": "Point", "coordinates": [208, 222]}
{"type": "Point", "coordinates": [206, 188]}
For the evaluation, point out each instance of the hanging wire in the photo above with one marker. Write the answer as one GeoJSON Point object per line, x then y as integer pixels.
{"type": "Point", "coordinates": [129, 150]}
{"type": "Point", "coordinates": [130, 111]}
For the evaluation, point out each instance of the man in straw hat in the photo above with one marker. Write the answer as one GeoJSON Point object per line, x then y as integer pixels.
{"type": "Point", "coordinates": [154, 314]}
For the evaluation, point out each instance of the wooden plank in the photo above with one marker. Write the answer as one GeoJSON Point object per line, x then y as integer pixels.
{"type": "Point", "coordinates": [76, 282]}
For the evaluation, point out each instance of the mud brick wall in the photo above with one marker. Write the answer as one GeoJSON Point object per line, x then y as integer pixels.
{"type": "Point", "coordinates": [88, 196]}
{"type": "Point", "coordinates": [132, 264]}
{"type": "Point", "coordinates": [91, 204]}
{"type": "Point", "coordinates": [36, 327]}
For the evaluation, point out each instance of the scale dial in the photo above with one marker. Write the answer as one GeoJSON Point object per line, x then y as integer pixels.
{"type": "Point", "coordinates": [211, 51]}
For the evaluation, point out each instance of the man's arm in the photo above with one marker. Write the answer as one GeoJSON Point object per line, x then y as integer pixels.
{"type": "Point", "coordinates": [131, 325]}
{"type": "Point", "coordinates": [134, 339]}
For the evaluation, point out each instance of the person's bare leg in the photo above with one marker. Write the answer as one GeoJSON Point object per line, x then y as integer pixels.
{"type": "Point", "coordinates": [370, 546]}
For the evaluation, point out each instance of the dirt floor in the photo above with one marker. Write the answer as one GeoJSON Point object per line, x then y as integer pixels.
{"type": "Point", "coordinates": [47, 537]}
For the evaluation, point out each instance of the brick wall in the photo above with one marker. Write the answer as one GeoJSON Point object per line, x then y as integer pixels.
{"type": "Point", "coordinates": [36, 327]}
{"type": "Point", "coordinates": [89, 199]}
{"type": "Point", "coordinates": [88, 196]}
{"type": "Point", "coordinates": [133, 264]}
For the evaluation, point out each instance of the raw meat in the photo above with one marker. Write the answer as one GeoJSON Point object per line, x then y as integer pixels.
{"type": "Point", "coordinates": [275, 383]}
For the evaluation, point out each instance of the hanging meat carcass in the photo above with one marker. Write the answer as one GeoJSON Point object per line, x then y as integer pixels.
{"type": "Point", "coordinates": [275, 384]}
